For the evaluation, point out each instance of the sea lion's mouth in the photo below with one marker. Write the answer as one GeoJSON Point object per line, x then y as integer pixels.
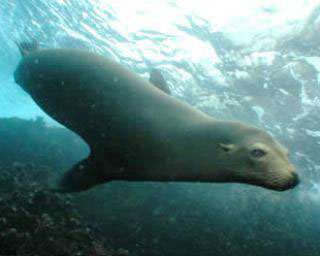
{"type": "Point", "coordinates": [275, 183]}
{"type": "Point", "coordinates": [293, 182]}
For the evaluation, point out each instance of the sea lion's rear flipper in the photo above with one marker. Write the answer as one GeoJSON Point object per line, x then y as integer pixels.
{"type": "Point", "coordinates": [27, 47]}
{"type": "Point", "coordinates": [82, 176]}
{"type": "Point", "coordinates": [156, 78]}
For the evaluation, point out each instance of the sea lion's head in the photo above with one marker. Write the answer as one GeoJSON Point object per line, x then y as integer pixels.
{"type": "Point", "coordinates": [250, 155]}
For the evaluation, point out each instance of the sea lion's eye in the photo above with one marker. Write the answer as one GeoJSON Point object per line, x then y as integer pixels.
{"type": "Point", "coordinates": [257, 153]}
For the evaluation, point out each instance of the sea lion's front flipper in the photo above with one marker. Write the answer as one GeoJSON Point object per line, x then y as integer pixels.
{"type": "Point", "coordinates": [157, 79]}
{"type": "Point", "coordinates": [82, 176]}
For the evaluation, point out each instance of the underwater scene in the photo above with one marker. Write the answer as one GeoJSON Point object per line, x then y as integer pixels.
{"type": "Point", "coordinates": [159, 128]}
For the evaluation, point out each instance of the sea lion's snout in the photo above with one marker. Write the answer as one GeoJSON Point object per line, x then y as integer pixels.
{"type": "Point", "coordinates": [294, 178]}
{"type": "Point", "coordinates": [294, 181]}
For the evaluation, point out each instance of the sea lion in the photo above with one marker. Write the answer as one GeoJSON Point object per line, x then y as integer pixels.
{"type": "Point", "coordinates": [136, 132]}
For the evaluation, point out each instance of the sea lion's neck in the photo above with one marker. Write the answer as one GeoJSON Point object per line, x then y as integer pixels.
{"type": "Point", "coordinates": [188, 157]}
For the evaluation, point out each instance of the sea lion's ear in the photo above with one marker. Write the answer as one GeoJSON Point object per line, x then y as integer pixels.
{"type": "Point", "coordinates": [228, 148]}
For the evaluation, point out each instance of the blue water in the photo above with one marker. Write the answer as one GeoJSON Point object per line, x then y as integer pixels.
{"type": "Point", "coordinates": [171, 35]}
{"type": "Point", "coordinates": [254, 62]}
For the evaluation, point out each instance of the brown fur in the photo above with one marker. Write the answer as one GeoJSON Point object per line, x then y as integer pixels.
{"type": "Point", "coordinates": [136, 132]}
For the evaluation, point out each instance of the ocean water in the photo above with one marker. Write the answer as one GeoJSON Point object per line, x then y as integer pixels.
{"type": "Point", "coordinates": [254, 61]}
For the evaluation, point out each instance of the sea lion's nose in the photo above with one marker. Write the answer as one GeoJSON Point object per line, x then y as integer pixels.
{"type": "Point", "coordinates": [295, 180]}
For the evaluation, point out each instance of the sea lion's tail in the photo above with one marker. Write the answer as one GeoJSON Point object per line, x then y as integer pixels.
{"type": "Point", "coordinates": [26, 48]}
